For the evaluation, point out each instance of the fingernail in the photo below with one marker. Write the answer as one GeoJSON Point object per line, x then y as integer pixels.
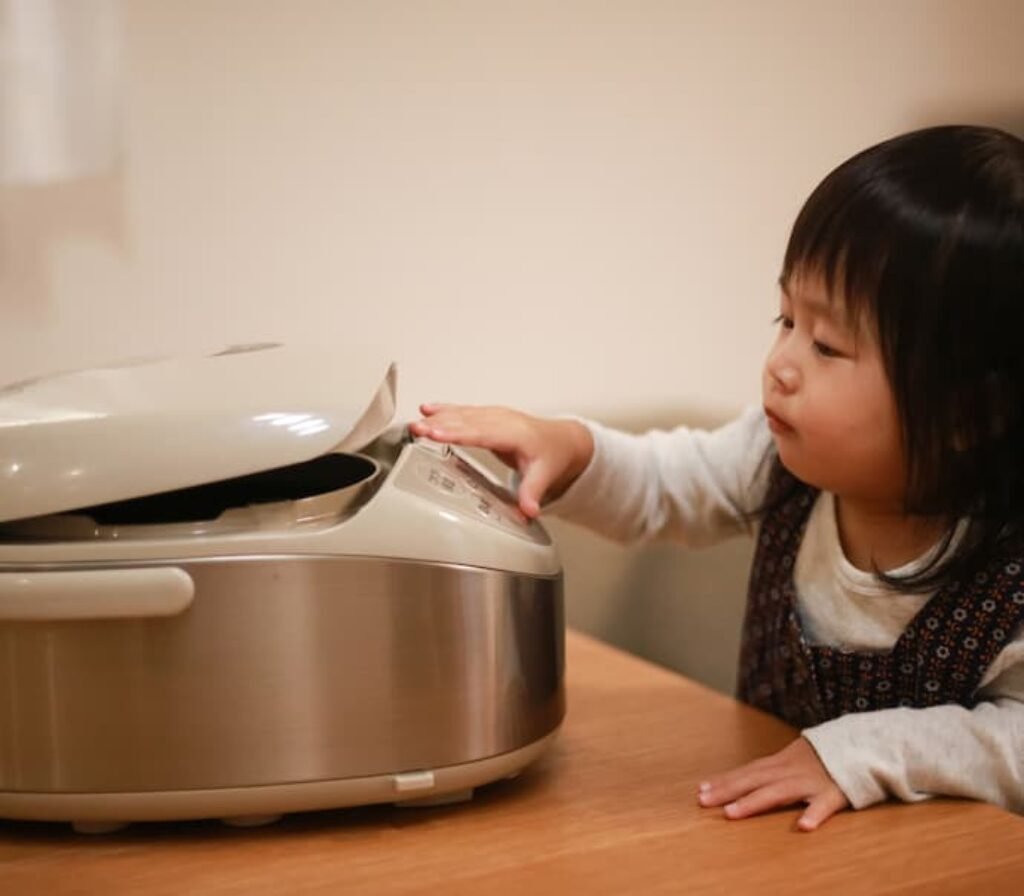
{"type": "Point", "coordinates": [731, 809]}
{"type": "Point", "coordinates": [704, 786]}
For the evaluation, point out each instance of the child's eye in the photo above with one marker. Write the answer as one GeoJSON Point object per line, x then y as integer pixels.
{"type": "Point", "coordinates": [787, 322]}
{"type": "Point", "coordinates": [826, 351]}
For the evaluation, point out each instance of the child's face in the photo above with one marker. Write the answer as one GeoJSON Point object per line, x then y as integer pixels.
{"type": "Point", "coordinates": [828, 400]}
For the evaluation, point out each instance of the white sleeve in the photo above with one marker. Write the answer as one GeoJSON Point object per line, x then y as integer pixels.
{"type": "Point", "coordinates": [948, 750]}
{"type": "Point", "coordinates": [694, 486]}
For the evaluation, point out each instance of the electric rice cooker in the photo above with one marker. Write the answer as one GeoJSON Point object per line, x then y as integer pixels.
{"type": "Point", "coordinates": [230, 587]}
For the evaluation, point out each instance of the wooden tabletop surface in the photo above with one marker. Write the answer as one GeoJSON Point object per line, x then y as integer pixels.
{"type": "Point", "coordinates": [611, 808]}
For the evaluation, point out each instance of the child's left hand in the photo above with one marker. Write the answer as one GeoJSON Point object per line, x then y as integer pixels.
{"type": "Point", "coordinates": [793, 775]}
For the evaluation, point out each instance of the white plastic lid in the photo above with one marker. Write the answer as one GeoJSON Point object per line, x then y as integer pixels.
{"type": "Point", "coordinates": [73, 440]}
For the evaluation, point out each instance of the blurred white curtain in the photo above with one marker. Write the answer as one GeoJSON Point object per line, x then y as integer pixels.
{"type": "Point", "coordinates": [60, 89]}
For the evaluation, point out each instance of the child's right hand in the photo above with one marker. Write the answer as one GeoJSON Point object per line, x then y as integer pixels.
{"type": "Point", "coordinates": [548, 454]}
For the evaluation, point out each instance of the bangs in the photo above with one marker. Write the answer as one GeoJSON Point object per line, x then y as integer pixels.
{"type": "Point", "coordinates": [921, 219]}
{"type": "Point", "coordinates": [867, 241]}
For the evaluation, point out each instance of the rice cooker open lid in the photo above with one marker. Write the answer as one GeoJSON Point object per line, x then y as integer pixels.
{"type": "Point", "coordinates": [143, 427]}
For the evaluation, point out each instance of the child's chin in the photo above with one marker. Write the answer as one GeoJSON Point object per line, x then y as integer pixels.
{"type": "Point", "coordinates": [797, 466]}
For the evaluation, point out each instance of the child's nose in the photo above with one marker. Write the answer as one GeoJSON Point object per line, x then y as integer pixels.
{"type": "Point", "coordinates": [782, 371]}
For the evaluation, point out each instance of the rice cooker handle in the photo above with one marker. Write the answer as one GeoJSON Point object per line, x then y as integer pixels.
{"type": "Point", "coordinates": [94, 594]}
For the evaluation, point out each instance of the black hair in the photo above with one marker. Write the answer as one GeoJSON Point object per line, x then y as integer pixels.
{"type": "Point", "coordinates": [923, 236]}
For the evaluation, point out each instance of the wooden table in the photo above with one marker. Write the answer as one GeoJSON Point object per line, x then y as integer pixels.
{"type": "Point", "coordinates": [610, 809]}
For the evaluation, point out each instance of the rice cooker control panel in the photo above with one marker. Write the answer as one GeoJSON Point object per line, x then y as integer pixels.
{"type": "Point", "coordinates": [437, 473]}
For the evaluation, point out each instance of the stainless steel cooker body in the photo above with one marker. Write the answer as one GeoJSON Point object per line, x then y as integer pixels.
{"type": "Point", "coordinates": [283, 670]}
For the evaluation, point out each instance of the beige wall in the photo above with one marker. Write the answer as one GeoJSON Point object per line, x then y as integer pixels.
{"type": "Point", "coordinates": [576, 204]}
{"type": "Point", "coordinates": [562, 205]}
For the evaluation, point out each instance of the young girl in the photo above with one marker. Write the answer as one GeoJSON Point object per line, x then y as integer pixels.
{"type": "Point", "coordinates": [886, 470]}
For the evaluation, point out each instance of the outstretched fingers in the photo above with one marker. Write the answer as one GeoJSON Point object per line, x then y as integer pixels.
{"type": "Point", "coordinates": [729, 786]}
{"type": "Point", "coordinates": [793, 775]}
{"type": "Point", "coordinates": [497, 429]}
{"type": "Point", "coordinates": [821, 808]}
{"type": "Point", "coordinates": [763, 799]}
{"type": "Point", "coordinates": [536, 478]}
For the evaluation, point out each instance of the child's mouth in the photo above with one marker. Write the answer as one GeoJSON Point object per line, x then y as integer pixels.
{"type": "Point", "coordinates": [776, 424]}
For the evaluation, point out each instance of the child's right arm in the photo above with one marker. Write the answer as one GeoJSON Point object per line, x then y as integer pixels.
{"type": "Point", "coordinates": [548, 454]}
{"type": "Point", "coordinates": [688, 485]}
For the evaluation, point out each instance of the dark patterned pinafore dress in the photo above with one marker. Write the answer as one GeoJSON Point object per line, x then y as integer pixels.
{"type": "Point", "coordinates": [941, 657]}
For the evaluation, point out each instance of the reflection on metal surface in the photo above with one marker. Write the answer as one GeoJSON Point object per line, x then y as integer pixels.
{"type": "Point", "coordinates": [285, 669]}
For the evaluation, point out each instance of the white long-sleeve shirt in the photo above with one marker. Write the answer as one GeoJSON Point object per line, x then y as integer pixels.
{"type": "Point", "coordinates": [698, 487]}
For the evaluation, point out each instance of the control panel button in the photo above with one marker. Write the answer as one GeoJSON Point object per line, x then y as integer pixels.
{"type": "Point", "coordinates": [440, 478]}
{"type": "Point", "coordinates": [441, 449]}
